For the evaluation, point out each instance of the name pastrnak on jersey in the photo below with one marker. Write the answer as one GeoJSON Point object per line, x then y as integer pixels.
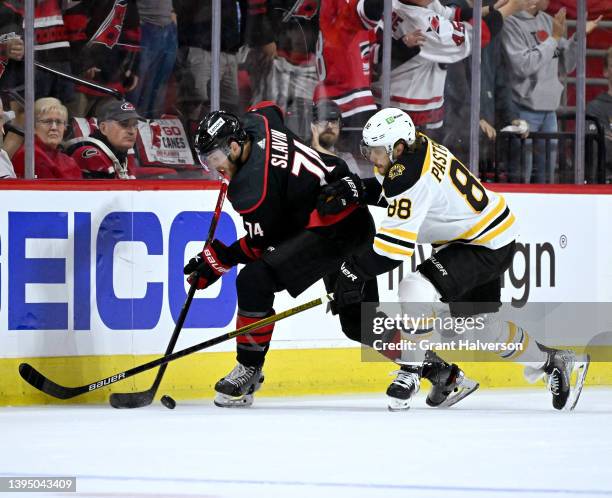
{"type": "Point", "coordinates": [434, 199]}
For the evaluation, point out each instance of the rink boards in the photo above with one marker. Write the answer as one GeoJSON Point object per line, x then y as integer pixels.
{"type": "Point", "coordinates": [91, 283]}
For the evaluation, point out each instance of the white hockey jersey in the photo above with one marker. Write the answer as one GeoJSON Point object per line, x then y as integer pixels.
{"type": "Point", "coordinates": [433, 198]}
{"type": "Point", "coordinates": [417, 85]}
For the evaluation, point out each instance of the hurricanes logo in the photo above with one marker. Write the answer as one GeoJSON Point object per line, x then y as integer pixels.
{"type": "Point", "coordinates": [109, 32]}
{"type": "Point", "coordinates": [305, 9]}
{"type": "Point", "coordinates": [87, 153]}
{"type": "Point", "coordinates": [396, 170]}
{"type": "Point", "coordinates": [540, 36]}
{"type": "Point", "coordinates": [434, 24]}
{"type": "Point", "coordinates": [156, 133]}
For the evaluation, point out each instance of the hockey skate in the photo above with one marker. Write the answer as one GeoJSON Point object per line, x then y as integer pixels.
{"type": "Point", "coordinates": [557, 372]}
{"type": "Point", "coordinates": [237, 388]}
{"type": "Point", "coordinates": [403, 388]}
{"type": "Point", "coordinates": [449, 383]}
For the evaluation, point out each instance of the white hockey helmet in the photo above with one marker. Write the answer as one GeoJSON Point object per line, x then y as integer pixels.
{"type": "Point", "coordinates": [385, 128]}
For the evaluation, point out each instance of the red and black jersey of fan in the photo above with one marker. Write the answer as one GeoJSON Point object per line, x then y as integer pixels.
{"type": "Point", "coordinates": [104, 34]}
{"type": "Point", "coordinates": [276, 190]}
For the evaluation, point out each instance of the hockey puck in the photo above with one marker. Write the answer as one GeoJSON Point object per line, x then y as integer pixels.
{"type": "Point", "coordinates": [168, 402]}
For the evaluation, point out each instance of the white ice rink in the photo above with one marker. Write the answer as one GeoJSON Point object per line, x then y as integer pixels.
{"type": "Point", "coordinates": [494, 444]}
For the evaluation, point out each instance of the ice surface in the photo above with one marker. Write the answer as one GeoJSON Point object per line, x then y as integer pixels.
{"type": "Point", "coordinates": [493, 444]}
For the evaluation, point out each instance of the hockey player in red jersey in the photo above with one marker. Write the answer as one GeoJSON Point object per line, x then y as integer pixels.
{"type": "Point", "coordinates": [275, 182]}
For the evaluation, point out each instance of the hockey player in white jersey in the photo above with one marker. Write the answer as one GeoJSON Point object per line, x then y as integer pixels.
{"type": "Point", "coordinates": [432, 198]}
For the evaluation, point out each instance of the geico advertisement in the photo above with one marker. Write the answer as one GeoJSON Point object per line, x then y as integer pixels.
{"type": "Point", "coordinates": [85, 273]}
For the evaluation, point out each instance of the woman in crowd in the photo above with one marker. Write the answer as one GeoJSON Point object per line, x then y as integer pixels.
{"type": "Point", "coordinates": [49, 160]}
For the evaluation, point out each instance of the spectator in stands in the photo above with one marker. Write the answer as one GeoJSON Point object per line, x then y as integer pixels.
{"type": "Point", "coordinates": [6, 167]}
{"type": "Point", "coordinates": [537, 50]}
{"type": "Point", "coordinates": [158, 53]}
{"type": "Point", "coordinates": [105, 43]}
{"type": "Point", "coordinates": [417, 84]}
{"type": "Point", "coordinates": [12, 50]}
{"type": "Point", "coordinates": [345, 44]}
{"type": "Point", "coordinates": [601, 109]}
{"type": "Point", "coordinates": [326, 127]}
{"type": "Point", "coordinates": [49, 160]}
{"type": "Point", "coordinates": [104, 154]}
{"type": "Point", "coordinates": [193, 64]}
{"type": "Point", "coordinates": [496, 107]}
{"type": "Point", "coordinates": [52, 47]}
{"type": "Point", "coordinates": [282, 36]}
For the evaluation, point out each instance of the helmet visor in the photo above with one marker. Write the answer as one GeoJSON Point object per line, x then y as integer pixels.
{"type": "Point", "coordinates": [214, 158]}
{"type": "Point", "coordinates": [368, 150]}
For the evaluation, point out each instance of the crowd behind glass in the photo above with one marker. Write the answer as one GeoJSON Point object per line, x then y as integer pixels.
{"type": "Point", "coordinates": [319, 60]}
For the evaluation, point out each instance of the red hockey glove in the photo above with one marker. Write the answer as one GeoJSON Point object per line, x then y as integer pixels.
{"type": "Point", "coordinates": [208, 266]}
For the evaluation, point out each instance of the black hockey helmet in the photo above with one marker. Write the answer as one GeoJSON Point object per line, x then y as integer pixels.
{"type": "Point", "coordinates": [216, 131]}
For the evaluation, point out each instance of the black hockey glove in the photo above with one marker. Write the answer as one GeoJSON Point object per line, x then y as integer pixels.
{"type": "Point", "coordinates": [336, 196]}
{"type": "Point", "coordinates": [209, 265]}
{"type": "Point", "coordinates": [349, 286]}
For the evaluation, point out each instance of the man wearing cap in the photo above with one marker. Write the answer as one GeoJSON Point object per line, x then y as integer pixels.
{"type": "Point", "coordinates": [326, 126]}
{"type": "Point", "coordinates": [104, 154]}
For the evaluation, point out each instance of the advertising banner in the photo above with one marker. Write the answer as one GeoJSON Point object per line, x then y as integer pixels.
{"type": "Point", "coordinates": [100, 272]}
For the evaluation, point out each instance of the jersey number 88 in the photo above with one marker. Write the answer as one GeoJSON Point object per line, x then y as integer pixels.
{"type": "Point", "coordinates": [400, 208]}
{"type": "Point", "coordinates": [468, 186]}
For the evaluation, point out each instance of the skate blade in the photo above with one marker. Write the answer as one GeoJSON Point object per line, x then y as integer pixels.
{"type": "Point", "coordinates": [225, 401]}
{"type": "Point", "coordinates": [467, 387]}
{"type": "Point", "coordinates": [397, 405]}
{"type": "Point", "coordinates": [581, 368]}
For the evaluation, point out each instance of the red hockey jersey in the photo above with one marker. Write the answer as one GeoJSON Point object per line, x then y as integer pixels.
{"type": "Point", "coordinates": [343, 56]}
{"type": "Point", "coordinates": [105, 34]}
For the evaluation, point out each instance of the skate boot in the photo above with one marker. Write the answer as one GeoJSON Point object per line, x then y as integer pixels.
{"type": "Point", "coordinates": [557, 372]}
{"type": "Point", "coordinates": [449, 383]}
{"type": "Point", "coordinates": [403, 388]}
{"type": "Point", "coordinates": [237, 388]}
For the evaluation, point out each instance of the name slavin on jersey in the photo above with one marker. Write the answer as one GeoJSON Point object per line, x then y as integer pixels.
{"type": "Point", "coordinates": [280, 149]}
{"type": "Point", "coordinates": [440, 160]}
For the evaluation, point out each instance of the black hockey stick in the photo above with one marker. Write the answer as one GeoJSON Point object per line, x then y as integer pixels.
{"type": "Point", "coordinates": [80, 81]}
{"type": "Point", "coordinates": [42, 383]}
{"type": "Point", "coordinates": [145, 398]}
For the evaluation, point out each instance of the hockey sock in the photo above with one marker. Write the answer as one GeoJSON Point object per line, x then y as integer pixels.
{"type": "Point", "coordinates": [522, 348]}
{"type": "Point", "coordinates": [251, 348]}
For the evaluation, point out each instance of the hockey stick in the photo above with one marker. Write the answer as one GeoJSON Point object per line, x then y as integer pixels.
{"type": "Point", "coordinates": [145, 398]}
{"type": "Point", "coordinates": [42, 383]}
{"type": "Point", "coordinates": [90, 84]}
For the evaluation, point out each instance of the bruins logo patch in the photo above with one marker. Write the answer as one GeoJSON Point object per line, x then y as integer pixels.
{"type": "Point", "coordinates": [396, 170]}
